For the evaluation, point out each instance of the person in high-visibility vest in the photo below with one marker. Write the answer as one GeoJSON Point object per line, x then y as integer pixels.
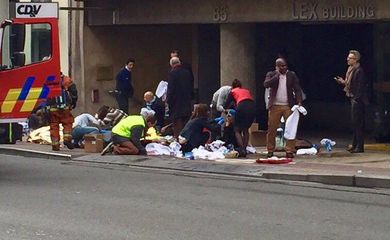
{"type": "Point", "coordinates": [127, 134]}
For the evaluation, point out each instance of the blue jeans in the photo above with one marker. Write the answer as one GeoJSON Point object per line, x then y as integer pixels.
{"type": "Point", "coordinates": [79, 132]}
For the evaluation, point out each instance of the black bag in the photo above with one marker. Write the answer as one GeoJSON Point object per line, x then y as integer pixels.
{"type": "Point", "coordinates": [72, 91]}
{"type": "Point", "coordinates": [10, 133]}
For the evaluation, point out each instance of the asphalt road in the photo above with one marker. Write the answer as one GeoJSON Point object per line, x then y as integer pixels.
{"type": "Point", "coordinates": [48, 199]}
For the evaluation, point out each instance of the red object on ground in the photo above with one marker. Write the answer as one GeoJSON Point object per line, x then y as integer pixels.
{"type": "Point", "coordinates": [273, 161]}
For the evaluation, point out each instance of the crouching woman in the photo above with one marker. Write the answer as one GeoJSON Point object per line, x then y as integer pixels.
{"type": "Point", "coordinates": [197, 131]}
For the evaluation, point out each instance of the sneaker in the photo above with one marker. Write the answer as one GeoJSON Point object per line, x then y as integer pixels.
{"type": "Point", "coordinates": [270, 154]}
{"type": "Point", "coordinates": [69, 144]}
{"type": "Point", "coordinates": [107, 149]}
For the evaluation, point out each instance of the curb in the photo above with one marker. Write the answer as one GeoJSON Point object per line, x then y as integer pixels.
{"type": "Point", "coordinates": [372, 181]}
{"type": "Point", "coordinates": [34, 153]}
{"type": "Point", "coordinates": [351, 180]}
{"type": "Point", "coordinates": [331, 179]}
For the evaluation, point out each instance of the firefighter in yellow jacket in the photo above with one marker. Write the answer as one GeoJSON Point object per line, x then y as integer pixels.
{"type": "Point", "coordinates": [60, 112]}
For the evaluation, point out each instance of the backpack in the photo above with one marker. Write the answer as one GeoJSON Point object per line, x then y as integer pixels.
{"type": "Point", "coordinates": [72, 93]}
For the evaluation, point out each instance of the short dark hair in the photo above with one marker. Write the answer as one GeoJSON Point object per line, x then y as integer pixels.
{"type": "Point", "coordinates": [129, 60]}
{"type": "Point", "coordinates": [103, 111]}
{"type": "Point", "coordinates": [236, 83]}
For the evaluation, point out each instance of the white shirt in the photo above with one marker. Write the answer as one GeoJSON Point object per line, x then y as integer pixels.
{"type": "Point", "coordinates": [220, 96]}
{"type": "Point", "coordinates": [86, 120]}
{"type": "Point", "coordinates": [281, 95]}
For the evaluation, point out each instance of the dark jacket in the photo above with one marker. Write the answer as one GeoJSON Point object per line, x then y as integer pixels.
{"type": "Point", "coordinates": [158, 106]}
{"type": "Point", "coordinates": [294, 91]}
{"type": "Point", "coordinates": [188, 67]}
{"type": "Point", "coordinates": [179, 93]}
{"type": "Point", "coordinates": [359, 86]}
{"type": "Point", "coordinates": [193, 132]}
{"type": "Point", "coordinates": [124, 83]}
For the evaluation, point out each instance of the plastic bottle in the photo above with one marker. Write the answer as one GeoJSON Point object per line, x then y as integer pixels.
{"type": "Point", "coordinates": [279, 140]}
{"type": "Point", "coordinates": [189, 155]}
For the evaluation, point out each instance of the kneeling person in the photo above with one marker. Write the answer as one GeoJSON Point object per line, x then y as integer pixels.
{"type": "Point", "coordinates": [127, 134]}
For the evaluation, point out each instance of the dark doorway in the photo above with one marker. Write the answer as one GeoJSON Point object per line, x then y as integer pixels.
{"type": "Point", "coordinates": [324, 53]}
{"type": "Point", "coordinates": [209, 62]}
{"type": "Point", "coordinates": [317, 53]}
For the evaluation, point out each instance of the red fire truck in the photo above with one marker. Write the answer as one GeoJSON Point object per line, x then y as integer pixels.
{"type": "Point", "coordinates": [29, 64]}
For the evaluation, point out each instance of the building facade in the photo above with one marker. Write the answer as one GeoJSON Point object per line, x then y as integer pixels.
{"type": "Point", "coordinates": [227, 39]}
{"type": "Point", "coordinates": [4, 9]}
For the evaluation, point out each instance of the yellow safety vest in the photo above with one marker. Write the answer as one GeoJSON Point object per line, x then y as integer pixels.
{"type": "Point", "coordinates": [124, 127]}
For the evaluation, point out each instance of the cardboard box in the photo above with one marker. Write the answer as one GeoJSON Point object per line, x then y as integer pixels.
{"type": "Point", "coordinates": [93, 143]}
{"type": "Point", "coordinates": [254, 127]}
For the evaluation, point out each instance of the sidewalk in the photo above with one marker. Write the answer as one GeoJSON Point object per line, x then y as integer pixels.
{"type": "Point", "coordinates": [370, 169]}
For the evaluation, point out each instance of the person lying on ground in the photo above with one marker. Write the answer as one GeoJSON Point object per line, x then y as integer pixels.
{"type": "Point", "coordinates": [85, 124]}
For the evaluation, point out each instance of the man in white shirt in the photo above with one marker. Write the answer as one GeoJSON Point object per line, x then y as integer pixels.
{"type": "Point", "coordinates": [285, 92]}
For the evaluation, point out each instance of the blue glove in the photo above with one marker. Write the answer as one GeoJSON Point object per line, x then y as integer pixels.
{"type": "Point", "coordinates": [219, 120]}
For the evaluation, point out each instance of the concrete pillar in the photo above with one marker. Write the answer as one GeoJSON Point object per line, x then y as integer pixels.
{"type": "Point", "coordinates": [4, 9]}
{"type": "Point", "coordinates": [76, 66]}
{"type": "Point", "coordinates": [238, 54]}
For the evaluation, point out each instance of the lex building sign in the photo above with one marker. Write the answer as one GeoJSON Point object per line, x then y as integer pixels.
{"type": "Point", "coordinates": [36, 10]}
{"type": "Point", "coordinates": [337, 10]}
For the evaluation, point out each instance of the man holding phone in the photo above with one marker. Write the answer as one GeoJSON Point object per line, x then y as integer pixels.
{"type": "Point", "coordinates": [285, 92]}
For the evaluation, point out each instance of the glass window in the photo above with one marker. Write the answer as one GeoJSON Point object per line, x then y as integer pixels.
{"type": "Point", "coordinates": [5, 50]}
{"type": "Point", "coordinates": [25, 44]}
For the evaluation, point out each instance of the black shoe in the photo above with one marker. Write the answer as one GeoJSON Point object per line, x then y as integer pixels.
{"type": "Point", "coordinates": [270, 154]}
{"type": "Point", "coordinates": [289, 155]}
{"type": "Point", "coordinates": [69, 144]}
{"type": "Point", "coordinates": [241, 153]}
{"type": "Point", "coordinates": [356, 150]}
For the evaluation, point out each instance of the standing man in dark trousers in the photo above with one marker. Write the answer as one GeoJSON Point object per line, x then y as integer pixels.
{"type": "Point", "coordinates": [285, 92]}
{"type": "Point", "coordinates": [355, 87]}
{"type": "Point", "coordinates": [188, 67]}
{"type": "Point", "coordinates": [124, 86]}
{"type": "Point", "coordinates": [179, 95]}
